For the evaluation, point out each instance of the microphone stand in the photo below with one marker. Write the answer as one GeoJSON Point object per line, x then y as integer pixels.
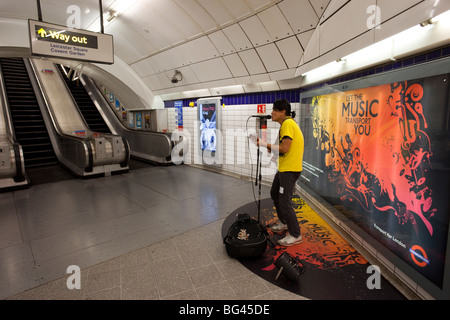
{"type": "Point", "coordinates": [258, 176]}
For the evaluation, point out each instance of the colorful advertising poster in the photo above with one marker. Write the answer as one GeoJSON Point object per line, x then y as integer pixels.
{"type": "Point", "coordinates": [147, 120]}
{"type": "Point", "coordinates": [381, 156]}
{"type": "Point", "coordinates": [131, 120]}
{"type": "Point", "coordinates": [117, 105]}
{"type": "Point", "coordinates": [179, 114]}
{"type": "Point", "coordinates": [138, 120]}
{"type": "Point", "coordinates": [208, 140]}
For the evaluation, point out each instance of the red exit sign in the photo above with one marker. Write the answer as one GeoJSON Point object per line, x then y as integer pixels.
{"type": "Point", "coordinates": [261, 109]}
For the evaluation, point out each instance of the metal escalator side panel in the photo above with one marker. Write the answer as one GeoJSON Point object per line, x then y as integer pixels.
{"type": "Point", "coordinates": [59, 100]}
{"type": "Point", "coordinates": [78, 146]}
{"type": "Point", "coordinates": [20, 164]}
{"type": "Point", "coordinates": [126, 161]}
{"type": "Point", "coordinates": [71, 151]}
{"type": "Point", "coordinates": [151, 146]}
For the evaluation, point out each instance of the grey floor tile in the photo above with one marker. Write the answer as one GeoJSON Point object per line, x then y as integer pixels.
{"type": "Point", "coordinates": [55, 290]}
{"type": "Point", "coordinates": [162, 250]}
{"type": "Point", "coordinates": [136, 192]}
{"type": "Point", "coordinates": [171, 277]}
{"type": "Point", "coordinates": [248, 286]}
{"type": "Point", "coordinates": [138, 282]}
{"type": "Point", "coordinates": [231, 269]}
{"type": "Point", "coordinates": [217, 291]}
{"type": "Point", "coordinates": [205, 275]}
{"type": "Point", "coordinates": [188, 295]}
{"type": "Point", "coordinates": [17, 270]}
{"type": "Point", "coordinates": [10, 233]}
{"type": "Point", "coordinates": [102, 280]}
{"type": "Point", "coordinates": [107, 294]}
{"type": "Point", "coordinates": [134, 258]}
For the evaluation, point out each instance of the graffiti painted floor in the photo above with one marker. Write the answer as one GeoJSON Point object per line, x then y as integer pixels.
{"type": "Point", "coordinates": [333, 268]}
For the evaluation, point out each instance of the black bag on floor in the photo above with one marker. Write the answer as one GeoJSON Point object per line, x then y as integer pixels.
{"type": "Point", "coordinates": [246, 238]}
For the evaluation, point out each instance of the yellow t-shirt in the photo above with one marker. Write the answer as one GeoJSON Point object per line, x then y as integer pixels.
{"type": "Point", "coordinates": [293, 159]}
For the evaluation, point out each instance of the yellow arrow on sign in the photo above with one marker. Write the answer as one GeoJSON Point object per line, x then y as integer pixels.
{"type": "Point", "coordinates": [42, 32]}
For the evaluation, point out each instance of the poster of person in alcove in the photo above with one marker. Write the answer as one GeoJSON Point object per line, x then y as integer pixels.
{"type": "Point", "coordinates": [208, 139]}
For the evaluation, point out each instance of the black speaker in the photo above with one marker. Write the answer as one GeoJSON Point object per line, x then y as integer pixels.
{"type": "Point", "coordinates": [291, 267]}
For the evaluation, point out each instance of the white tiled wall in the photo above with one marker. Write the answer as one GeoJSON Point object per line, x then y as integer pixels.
{"type": "Point", "coordinates": [239, 156]}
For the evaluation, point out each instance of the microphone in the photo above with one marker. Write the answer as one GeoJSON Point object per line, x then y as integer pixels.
{"type": "Point", "coordinates": [262, 116]}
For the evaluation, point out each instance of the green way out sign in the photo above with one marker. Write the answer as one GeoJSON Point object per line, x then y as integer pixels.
{"type": "Point", "coordinates": [61, 42]}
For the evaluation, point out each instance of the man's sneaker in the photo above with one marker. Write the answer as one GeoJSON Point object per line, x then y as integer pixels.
{"type": "Point", "coordinates": [290, 240]}
{"type": "Point", "coordinates": [279, 227]}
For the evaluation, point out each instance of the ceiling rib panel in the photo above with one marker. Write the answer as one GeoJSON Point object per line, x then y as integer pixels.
{"type": "Point", "coordinates": [198, 14]}
{"type": "Point", "coordinates": [291, 51]}
{"type": "Point", "coordinates": [158, 82]}
{"type": "Point", "coordinates": [299, 14]}
{"type": "Point", "coordinates": [320, 6]}
{"type": "Point", "coordinates": [305, 37]}
{"type": "Point", "coordinates": [168, 60]}
{"type": "Point", "coordinates": [259, 4]}
{"type": "Point", "coordinates": [389, 9]}
{"type": "Point", "coordinates": [221, 42]}
{"type": "Point", "coordinates": [176, 17]}
{"type": "Point", "coordinates": [215, 69]}
{"type": "Point", "coordinates": [235, 65]}
{"type": "Point", "coordinates": [217, 10]}
{"type": "Point", "coordinates": [255, 31]}
{"type": "Point", "coordinates": [149, 29]}
{"type": "Point", "coordinates": [275, 23]}
{"type": "Point", "coordinates": [333, 6]}
{"type": "Point", "coordinates": [164, 26]}
{"type": "Point", "coordinates": [125, 37]}
{"type": "Point", "coordinates": [339, 29]}
{"type": "Point", "coordinates": [237, 8]}
{"type": "Point", "coordinates": [271, 57]}
{"type": "Point", "coordinates": [237, 37]}
{"type": "Point", "coordinates": [198, 50]}
{"type": "Point", "coordinates": [252, 62]}
{"type": "Point", "coordinates": [145, 67]}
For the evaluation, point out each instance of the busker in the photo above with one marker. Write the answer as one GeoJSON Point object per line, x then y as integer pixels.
{"type": "Point", "coordinates": [290, 150]}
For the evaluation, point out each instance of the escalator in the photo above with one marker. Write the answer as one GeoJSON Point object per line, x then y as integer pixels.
{"type": "Point", "coordinates": [90, 113]}
{"type": "Point", "coordinates": [29, 126]}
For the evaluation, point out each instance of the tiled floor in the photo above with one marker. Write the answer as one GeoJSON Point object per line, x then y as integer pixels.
{"type": "Point", "coordinates": [192, 265]}
{"type": "Point", "coordinates": [153, 233]}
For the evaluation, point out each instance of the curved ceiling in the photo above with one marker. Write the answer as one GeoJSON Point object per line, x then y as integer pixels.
{"type": "Point", "coordinates": [249, 45]}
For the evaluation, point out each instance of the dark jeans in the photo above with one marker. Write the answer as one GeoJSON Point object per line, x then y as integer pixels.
{"type": "Point", "coordinates": [282, 191]}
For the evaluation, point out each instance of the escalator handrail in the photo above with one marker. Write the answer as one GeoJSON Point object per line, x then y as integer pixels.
{"type": "Point", "coordinates": [87, 82]}
{"type": "Point", "coordinates": [78, 108]}
{"type": "Point", "coordinates": [89, 85]}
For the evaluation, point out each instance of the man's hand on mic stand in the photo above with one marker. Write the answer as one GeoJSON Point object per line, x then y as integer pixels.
{"type": "Point", "coordinates": [261, 143]}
